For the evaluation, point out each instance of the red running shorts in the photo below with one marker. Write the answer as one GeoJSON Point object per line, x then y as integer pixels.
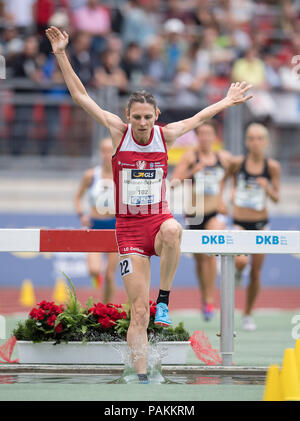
{"type": "Point", "coordinates": [136, 235]}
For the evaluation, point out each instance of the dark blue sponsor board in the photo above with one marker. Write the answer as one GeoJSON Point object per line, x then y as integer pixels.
{"type": "Point", "coordinates": [44, 268]}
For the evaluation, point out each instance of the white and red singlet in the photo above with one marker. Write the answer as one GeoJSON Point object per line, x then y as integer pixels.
{"type": "Point", "coordinates": [139, 172]}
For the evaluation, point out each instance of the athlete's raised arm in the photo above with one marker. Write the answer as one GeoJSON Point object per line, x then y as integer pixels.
{"type": "Point", "coordinates": [235, 96]}
{"type": "Point", "coordinates": [59, 41]}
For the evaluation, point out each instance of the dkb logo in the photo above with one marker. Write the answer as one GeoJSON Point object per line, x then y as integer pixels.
{"type": "Point", "coordinates": [267, 239]}
{"type": "Point", "coordinates": [213, 239]}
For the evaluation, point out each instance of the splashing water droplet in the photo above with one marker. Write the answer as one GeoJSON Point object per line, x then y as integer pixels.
{"type": "Point", "coordinates": [155, 353]}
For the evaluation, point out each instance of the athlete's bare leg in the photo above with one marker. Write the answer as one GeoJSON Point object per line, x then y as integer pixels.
{"type": "Point", "coordinates": [109, 278]}
{"type": "Point", "coordinates": [254, 284]}
{"type": "Point", "coordinates": [207, 266]}
{"type": "Point", "coordinates": [95, 264]}
{"type": "Point", "coordinates": [167, 246]}
{"type": "Point", "coordinates": [137, 285]}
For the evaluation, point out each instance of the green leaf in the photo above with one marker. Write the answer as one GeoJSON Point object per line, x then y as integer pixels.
{"type": "Point", "coordinates": [89, 303]}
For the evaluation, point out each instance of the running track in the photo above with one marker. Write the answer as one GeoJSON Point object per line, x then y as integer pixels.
{"type": "Point", "coordinates": [180, 298]}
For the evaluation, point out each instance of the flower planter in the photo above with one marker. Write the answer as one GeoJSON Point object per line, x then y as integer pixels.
{"type": "Point", "coordinates": [95, 352]}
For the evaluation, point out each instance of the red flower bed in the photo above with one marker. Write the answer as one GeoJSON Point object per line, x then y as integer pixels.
{"type": "Point", "coordinates": [46, 313]}
{"type": "Point", "coordinates": [107, 315]}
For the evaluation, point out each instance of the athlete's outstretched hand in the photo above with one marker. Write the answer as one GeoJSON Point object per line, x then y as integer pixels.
{"type": "Point", "coordinates": [59, 40]}
{"type": "Point", "coordinates": [237, 91]}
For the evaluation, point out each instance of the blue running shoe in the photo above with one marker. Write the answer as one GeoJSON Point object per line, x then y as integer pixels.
{"type": "Point", "coordinates": [162, 315]}
{"type": "Point", "coordinates": [208, 311]}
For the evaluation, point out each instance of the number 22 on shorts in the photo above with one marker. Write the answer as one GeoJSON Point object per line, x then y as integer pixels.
{"type": "Point", "coordinates": [126, 266]}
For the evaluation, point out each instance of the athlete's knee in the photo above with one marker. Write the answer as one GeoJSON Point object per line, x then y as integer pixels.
{"type": "Point", "coordinates": [241, 262]}
{"type": "Point", "coordinates": [171, 234]}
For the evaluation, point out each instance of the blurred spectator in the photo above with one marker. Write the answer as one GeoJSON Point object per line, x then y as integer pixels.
{"type": "Point", "coordinates": [26, 66]}
{"type": "Point", "coordinates": [223, 16]}
{"type": "Point", "coordinates": [23, 12]}
{"type": "Point", "coordinates": [238, 32]}
{"type": "Point", "coordinates": [154, 64]}
{"type": "Point", "coordinates": [81, 57]}
{"type": "Point", "coordinates": [52, 112]}
{"type": "Point", "coordinates": [187, 86]}
{"type": "Point", "coordinates": [117, 19]}
{"type": "Point", "coordinates": [110, 72]}
{"type": "Point", "coordinates": [289, 48]}
{"type": "Point", "coordinates": [251, 69]}
{"type": "Point", "coordinates": [61, 20]}
{"type": "Point", "coordinates": [191, 79]}
{"type": "Point", "coordinates": [43, 10]}
{"type": "Point", "coordinates": [212, 57]}
{"type": "Point", "coordinates": [240, 39]}
{"type": "Point", "coordinates": [114, 42]}
{"type": "Point", "coordinates": [93, 18]}
{"type": "Point", "coordinates": [204, 15]}
{"type": "Point", "coordinates": [288, 15]}
{"type": "Point", "coordinates": [132, 63]}
{"type": "Point", "coordinates": [76, 4]}
{"type": "Point", "coordinates": [290, 75]}
{"type": "Point", "coordinates": [176, 9]}
{"type": "Point", "coordinates": [174, 46]}
{"type": "Point", "coordinates": [11, 43]}
{"type": "Point", "coordinates": [6, 17]}
{"type": "Point", "coordinates": [272, 69]}
{"type": "Point", "coordinates": [28, 63]}
{"type": "Point", "coordinates": [141, 21]}
{"type": "Point", "coordinates": [242, 10]}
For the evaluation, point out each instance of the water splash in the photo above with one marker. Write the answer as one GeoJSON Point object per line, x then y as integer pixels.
{"type": "Point", "coordinates": [155, 353]}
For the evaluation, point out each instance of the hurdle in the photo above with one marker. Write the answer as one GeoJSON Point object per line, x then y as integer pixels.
{"type": "Point", "coordinates": [226, 244]}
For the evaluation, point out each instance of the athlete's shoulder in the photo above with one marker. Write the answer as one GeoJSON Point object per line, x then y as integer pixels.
{"type": "Point", "coordinates": [236, 162]}
{"type": "Point", "coordinates": [225, 157]}
{"type": "Point", "coordinates": [189, 156]}
{"type": "Point", "coordinates": [274, 165]}
{"type": "Point", "coordinates": [119, 135]}
{"type": "Point", "coordinates": [89, 174]}
{"type": "Point", "coordinates": [87, 179]}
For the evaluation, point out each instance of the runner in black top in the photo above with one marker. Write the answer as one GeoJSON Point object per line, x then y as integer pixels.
{"type": "Point", "coordinates": [255, 179]}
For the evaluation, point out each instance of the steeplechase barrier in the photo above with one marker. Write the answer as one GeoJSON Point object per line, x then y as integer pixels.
{"type": "Point", "coordinates": [226, 244]}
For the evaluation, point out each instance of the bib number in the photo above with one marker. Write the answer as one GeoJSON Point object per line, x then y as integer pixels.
{"type": "Point", "coordinates": [126, 267]}
{"type": "Point", "coordinates": [141, 187]}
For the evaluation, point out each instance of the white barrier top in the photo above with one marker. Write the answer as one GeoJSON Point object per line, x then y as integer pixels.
{"type": "Point", "coordinates": [193, 241]}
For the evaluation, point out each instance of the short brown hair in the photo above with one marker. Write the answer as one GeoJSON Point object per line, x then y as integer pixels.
{"type": "Point", "coordinates": [142, 97]}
